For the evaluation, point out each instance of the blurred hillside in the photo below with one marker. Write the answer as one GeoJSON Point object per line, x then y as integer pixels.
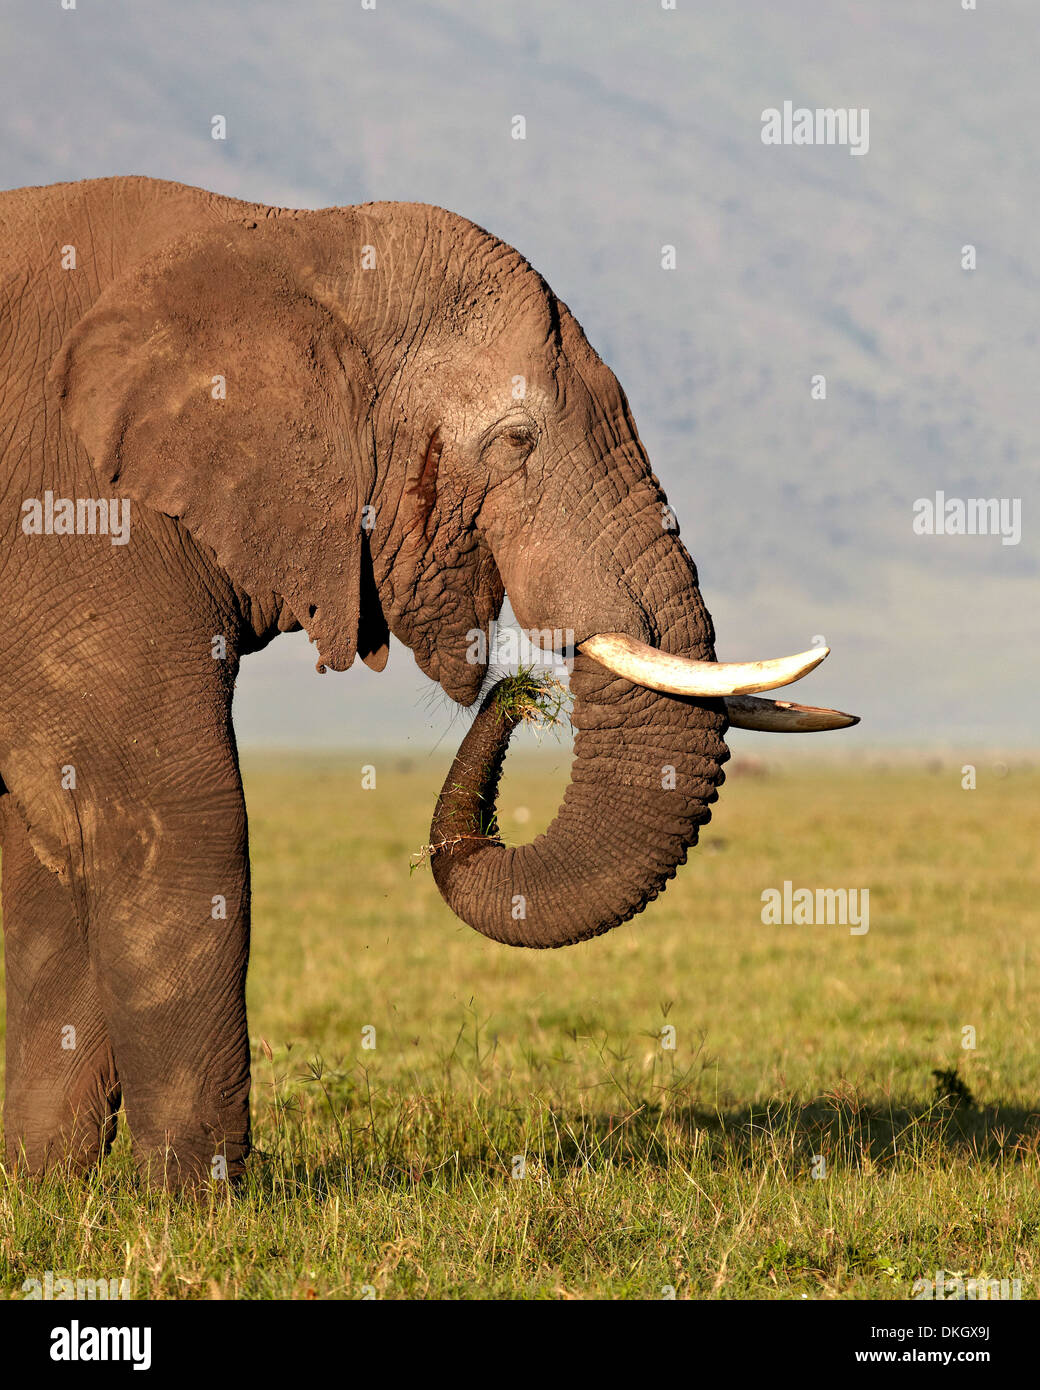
{"type": "Point", "coordinates": [643, 129]}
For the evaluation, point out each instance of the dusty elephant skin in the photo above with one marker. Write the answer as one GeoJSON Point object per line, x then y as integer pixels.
{"type": "Point", "coordinates": [223, 421]}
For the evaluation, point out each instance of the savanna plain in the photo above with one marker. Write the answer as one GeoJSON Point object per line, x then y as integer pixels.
{"type": "Point", "coordinates": [437, 1116]}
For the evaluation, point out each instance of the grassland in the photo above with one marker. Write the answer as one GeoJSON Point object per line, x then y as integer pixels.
{"type": "Point", "coordinates": [394, 1171]}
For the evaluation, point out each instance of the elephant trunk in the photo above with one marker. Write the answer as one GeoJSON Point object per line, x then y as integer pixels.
{"type": "Point", "coordinates": [647, 767]}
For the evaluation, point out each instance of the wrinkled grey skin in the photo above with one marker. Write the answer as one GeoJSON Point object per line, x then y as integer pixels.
{"type": "Point", "coordinates": [371, 358]}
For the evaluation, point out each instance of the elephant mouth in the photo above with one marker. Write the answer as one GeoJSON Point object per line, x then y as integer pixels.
{"type": "Point", "coordinates": [648, 764]}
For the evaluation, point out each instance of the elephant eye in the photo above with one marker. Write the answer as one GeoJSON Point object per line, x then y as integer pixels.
{"type": "Point", "coordinates": [515, 438]}
{"type": "Point", "coordinates": [520, 437]}
{"type": "Point", "coordinates": [510, 447]}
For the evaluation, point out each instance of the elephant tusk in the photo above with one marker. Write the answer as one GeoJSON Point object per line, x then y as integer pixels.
{"type": "Point", "coordinates": [679, 675]}
{"type": "Point", "coordinates": [783, 717]}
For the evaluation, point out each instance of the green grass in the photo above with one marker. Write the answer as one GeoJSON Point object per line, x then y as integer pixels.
{"type": "Point", "coordinates": [392, 1169]}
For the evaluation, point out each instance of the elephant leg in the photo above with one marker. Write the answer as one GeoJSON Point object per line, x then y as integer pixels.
{"type": "Point", "coordinates": [168, 880]}
{"type": "Point", "coordinates": [62, 1093]}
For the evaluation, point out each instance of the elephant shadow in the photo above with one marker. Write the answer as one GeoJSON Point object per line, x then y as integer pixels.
{"type": "Point", "coordinates": [796, 1139]}
{"type": "Point", "coordinates": [853, 1134]}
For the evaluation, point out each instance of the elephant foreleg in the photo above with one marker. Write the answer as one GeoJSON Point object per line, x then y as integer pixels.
{"type": "Point", "coordinates": [62, 1092]}
{"type": "Point", "coordinates": [168, 878]}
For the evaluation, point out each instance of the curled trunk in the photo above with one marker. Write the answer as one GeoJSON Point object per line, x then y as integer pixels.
{"type": "Point", "coordinates": [646, 770]}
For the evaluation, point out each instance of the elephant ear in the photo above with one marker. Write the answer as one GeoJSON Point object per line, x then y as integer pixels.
{"type": "Point", "coordinates": [209, 385]}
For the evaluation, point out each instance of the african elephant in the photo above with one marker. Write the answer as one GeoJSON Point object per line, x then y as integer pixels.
{"type": "Point", "coordinates": [222, 421]}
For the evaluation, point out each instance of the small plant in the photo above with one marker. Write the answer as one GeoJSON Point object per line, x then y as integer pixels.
{"type": "Point", "coordinates": [486, 828]}
{"type": "Point", "coordinates": [949, 1086]}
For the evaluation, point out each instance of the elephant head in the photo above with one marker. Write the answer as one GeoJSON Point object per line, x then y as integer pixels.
{"type": "Point", "coordinates": [383, 416]}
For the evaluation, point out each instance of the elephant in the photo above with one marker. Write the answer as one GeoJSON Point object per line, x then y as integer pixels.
{"type": "Point", "coordinates": [223, 421]}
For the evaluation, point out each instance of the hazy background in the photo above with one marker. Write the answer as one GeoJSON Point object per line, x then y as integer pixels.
{"type": "Point", "coordinates": [643, 128]}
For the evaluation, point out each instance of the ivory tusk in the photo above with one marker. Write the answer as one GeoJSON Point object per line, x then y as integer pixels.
{"type": "Point", "coordinates": [783, 717]}
{"type": "Point", "coordinates": [679, 675]}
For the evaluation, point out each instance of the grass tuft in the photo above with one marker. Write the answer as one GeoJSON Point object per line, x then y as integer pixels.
{"type": "Point", "coordinates": [537, 700]}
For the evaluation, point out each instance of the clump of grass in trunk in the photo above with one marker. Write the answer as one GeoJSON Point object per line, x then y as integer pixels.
{"type": "Point", "coordinates": [536, 701]}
